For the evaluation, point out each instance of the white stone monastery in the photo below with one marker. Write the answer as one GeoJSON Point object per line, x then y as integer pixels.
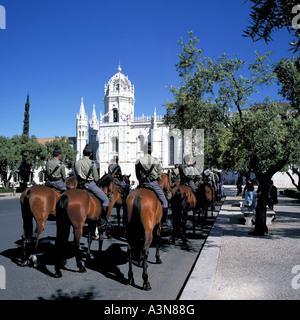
{"type": "Point", "coordinates": [119, 133]}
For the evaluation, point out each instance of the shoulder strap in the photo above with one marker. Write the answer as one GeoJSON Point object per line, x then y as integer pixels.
{"type": "Point", "coordinates": [147, 173]}
{"type": "Point", "coordinates": [88, 175]}
{"type": "Point", "coordinates": [55, 169]}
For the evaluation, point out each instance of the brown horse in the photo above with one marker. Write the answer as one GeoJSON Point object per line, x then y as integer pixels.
{"type": "Point", "coordinates": [74, 207]}
{"type": "Point", "coordinates": [119, 200]}
{"type": "Point", "coordinates": [183, 200]}
{"type": "Point", "coordinates": [206, 196]}
{"type": "Point", "coordinates": [38, 202]}
{"type": "Point", "coordinates": [144, 212]}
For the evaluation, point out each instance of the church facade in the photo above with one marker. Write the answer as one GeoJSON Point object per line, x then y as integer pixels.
{"type": "Point", "coordinates": [118, 132]}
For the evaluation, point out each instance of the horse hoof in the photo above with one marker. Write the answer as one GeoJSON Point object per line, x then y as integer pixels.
{"type": "Point", "coordinates": [58, 275]}
{"type": "Point", "coordinates": [131, 282]}
{"type": "Point", "coordinates": [82, 269]}
{"type": "Point", "coordinates": [158, 261]}
{"type": "Point", "coordinates": [25, 263]}
{"type": "Point", "coordinates": [147, 286]}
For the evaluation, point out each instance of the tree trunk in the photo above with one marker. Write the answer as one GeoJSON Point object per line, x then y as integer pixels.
{"type": "Point", "coordinates": [264, 180]}
{"type": "Point", "coordinates": [261, 228]}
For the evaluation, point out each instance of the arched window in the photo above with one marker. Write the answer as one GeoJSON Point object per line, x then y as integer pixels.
{"type": "Point", "coordinates": [41, 177]}
{"type": "Point", "coordinates": [115, 115]}
{"type": "Point", "coordinates": [171, 150]}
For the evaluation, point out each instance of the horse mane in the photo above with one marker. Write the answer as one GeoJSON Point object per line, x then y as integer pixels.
{"type": "Point", "coordinates": [105, 180]}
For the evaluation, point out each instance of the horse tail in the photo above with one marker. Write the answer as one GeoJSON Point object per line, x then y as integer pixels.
{"type": "Point", "coordinates": [63, 222]}
{"type": "Point", "coordinates": [136, 231]}
{"type": "Point", "coordinates": [27, 216]}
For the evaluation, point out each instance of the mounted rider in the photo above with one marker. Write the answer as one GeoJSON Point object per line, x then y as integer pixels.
{"type": "Point", "coordinates": [188, 172]}
{"type": "Point", "coordinates": [175, 174]}
{"type": "Point", "coordinates": [209, 177]}
{"type": "Point", "coordinates": [148, 172]}
{"type": "Point", "coordinates": [87, 175]}
{"type": "Point", "coordinates": [56, 171]}
{"type": "Point", "coordinates": [114, 168]}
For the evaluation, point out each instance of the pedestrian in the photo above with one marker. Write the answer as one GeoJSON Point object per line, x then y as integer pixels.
{"type": "Point", "coordinates": [148, 172]}
{"type": "Point", "coordinates": [87, 176]}
{"type": "Point", "coordinates": [248, 190]}
{"type": "Point", "coordinates": [239, 185]}
{"type": "Point", "coordinates": [272, 196]}
{"type": "Point", "coordinates": [56, 171]}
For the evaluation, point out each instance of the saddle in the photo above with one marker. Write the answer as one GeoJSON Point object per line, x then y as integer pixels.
{"type": "Point", "coordinates": [54, 188]}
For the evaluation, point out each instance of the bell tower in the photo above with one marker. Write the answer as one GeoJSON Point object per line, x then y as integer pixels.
{"type": "Point", "coordinates": [81, 130]}
{"type": "Point", "coordinates": [119, 99]}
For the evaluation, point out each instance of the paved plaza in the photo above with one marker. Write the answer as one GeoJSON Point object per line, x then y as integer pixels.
{"type": "Point", "coordinates": [236, 265]}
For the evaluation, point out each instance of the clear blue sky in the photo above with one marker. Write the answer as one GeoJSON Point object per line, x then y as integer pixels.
{"type": "Point", "coordinates": [60, 51]}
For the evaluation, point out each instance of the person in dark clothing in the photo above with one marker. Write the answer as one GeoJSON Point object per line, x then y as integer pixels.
{"type": "Point", "coordinates": [249, 188]}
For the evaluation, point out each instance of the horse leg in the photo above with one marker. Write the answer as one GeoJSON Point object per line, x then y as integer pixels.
{"type": "Point", "coordinates": [157, 244]}
{"type": "Point", "coordinates": [146, 284]}
{"type": "Point", "coordinates": [100, 240]}
{"type": "Point", "coordinates": [130, 272]}
{"type": "Point", "coordinates": [194, 221]}
{"type": "Point", "coordinates": [27, 227]}
{"type": "Point", "coordinates": [118, 215]}
{"type": "Point", "coordinates": [77, 237]}
{"type": "Point", "coordinates": [91, 229]}
{"type": "Point", "coordinates": [40, 225]}
{"type": "Point", "coordinates": [183, 226]}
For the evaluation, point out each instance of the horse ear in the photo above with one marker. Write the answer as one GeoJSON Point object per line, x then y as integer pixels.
{"type": "Point", "coordinates": [129, 175]}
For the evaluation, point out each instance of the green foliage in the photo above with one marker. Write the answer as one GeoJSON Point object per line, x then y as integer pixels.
{"type": "Point", "coordinates": [211, 90]}
{"type": "Point", "coordinates": [264, 138]}
{"type": "Point", "coordinates": [288, 74]}
{"type": "Point", "coordinates": [68, 154]}
{"type": "Point", "coordinates": [26, 119]}
{"type": "Point", "coordinates": [269, 16]}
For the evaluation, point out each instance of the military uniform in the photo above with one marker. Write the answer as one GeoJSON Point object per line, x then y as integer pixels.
{"type": "Point", "coordinates": [175, 174]}
{"type": "Point", "coordinates": [86, 173]}
{"type": "Point", "coordinates": [114, 168]}
{"type": "Point", "coordinates": [188, 172]}
{"type": "Point", "coordinates": [148, 171]}
{"type": "Point", "coordinates": [82, 168]}
{"type": "Point", "coordinates": [208, 176]}
{"type": "Point", "coordinates": [56, 171]}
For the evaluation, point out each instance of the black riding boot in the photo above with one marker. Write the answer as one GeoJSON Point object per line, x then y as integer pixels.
{"type": "Point", "coordinates": [104, 223]}
{"type": "Point", "coordinates": [165, 224]}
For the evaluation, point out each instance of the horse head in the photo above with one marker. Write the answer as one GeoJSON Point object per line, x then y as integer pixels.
{"type": "Point", "coordinates": [106, 183]}
{"type": "Point", "coordinates": [126, 179]}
